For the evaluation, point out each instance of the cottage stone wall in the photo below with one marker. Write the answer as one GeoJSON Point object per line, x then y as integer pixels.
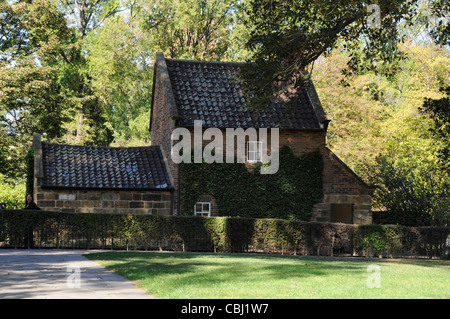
{"type": "Point", "coordinates": [162, 123]}
{"type": "Point", "coordinates": [340, 184]}
{"type": "Point", "coordinates": [96, 200]}
{"type": "Point", "coordinates": [109, 202]}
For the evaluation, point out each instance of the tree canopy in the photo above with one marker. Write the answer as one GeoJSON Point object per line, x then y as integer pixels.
{"type": "Point", "coordinates": [287, 37]}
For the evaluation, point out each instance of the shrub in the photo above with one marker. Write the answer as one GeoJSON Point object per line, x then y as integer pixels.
{"type": "Point", "coordinates": [12, 194]}
{"type": "Point", "coordinates": [216, 234]}
{"type": "Point", "coordinates": [409, 194]}
{"type": "Point", "coordinates": [377, 240]}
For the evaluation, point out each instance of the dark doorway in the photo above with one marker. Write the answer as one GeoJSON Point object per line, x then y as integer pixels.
{"type": "Point", "coordinates": [342, 213]}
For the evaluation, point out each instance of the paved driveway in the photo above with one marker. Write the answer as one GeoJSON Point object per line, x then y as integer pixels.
{"type": "Point", "coordinates": [60, 274]}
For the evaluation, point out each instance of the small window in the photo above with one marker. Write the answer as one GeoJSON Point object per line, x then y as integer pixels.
{"type": "Point", "coordinates": [254, 152]}
{"type": "Point", "coordinates": [202, 209]}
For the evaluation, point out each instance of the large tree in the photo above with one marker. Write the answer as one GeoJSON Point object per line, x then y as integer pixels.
{"type": "Point", "coordinates": [34, 37]}
{"type": "Point", "coordinates": [44, 84]}
{"type": "Point", "coordinates": [120, 65]}
{"type": "Point", "coordinates": [439, 111]}
{"type": "Point", "coordinates": [197, 29]}
{"type": "Point", "coordinates": [90, 123]}
{"type": "Point", "coordinates": [287, 37]}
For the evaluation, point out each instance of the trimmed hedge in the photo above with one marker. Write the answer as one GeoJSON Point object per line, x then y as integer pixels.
{"type": "Point", "coordinates": [41, 229]}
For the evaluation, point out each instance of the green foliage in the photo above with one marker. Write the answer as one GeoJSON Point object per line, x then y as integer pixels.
{"type": "Point", "coordinates": [392, 131]}
{"type": "Point", "coordinates": [287, 37]}
{"type": "Point", "coordinates": [379, 239]}
{"type": "Point", "coordinates": [190, 29]}
{"type": "Point", "coordinates": [12, 194]}
{"type": "Point", "coordinates": [12, 153]}
{"type": "Point", "coordinates": [439, 111]}
{"type": "Point", "coordinates": [288, 194]}
{"type": "Point", "coordinates": [218, 234]}
{"type": "Point", "coordinates": [119, 58]}
{"type": "Point", "coordinates": [32, 34]}
{"type": "Point", "coordinates": [441, 30]}
{"type": "Point", "coordinates": [409, 194]}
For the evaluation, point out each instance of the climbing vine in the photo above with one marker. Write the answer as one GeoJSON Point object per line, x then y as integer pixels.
{"type": "Point", "coordinates": [288, 194]}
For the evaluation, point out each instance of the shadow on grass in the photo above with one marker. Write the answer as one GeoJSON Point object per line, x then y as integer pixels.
{"type": "Point", "coordinates": [207, 269]}
{"type": "Point", "coordinates": [175, 275]}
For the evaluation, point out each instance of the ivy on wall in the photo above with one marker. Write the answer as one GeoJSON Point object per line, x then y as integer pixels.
{"type": "Point", "coordinates": [289, 194]}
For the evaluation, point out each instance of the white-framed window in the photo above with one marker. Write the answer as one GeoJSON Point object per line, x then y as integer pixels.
{"type": "Point", "coordinates": [254, 151]}
{"type": "Point", "coordinates": [202, 209]}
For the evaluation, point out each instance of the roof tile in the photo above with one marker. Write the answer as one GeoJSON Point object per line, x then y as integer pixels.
{"type": "Point", "coordinates": [211, 92]}
{"type": "Point", "coordinates": [91, 167]}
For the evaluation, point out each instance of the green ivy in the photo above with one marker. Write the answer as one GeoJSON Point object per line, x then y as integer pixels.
{"type": "Point", "coordinates": [289, 194]}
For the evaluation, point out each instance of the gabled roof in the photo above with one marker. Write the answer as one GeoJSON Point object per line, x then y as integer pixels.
{"type": "Point", "coordinates": [212, 92]}
{"type": "Point", "coordinates": [91, 167]}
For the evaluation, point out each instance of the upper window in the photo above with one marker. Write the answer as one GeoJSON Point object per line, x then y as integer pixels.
{"type": "Point", "coordinates": [254, 151]}
{"type": "Point", "coordinates": [202, 209]}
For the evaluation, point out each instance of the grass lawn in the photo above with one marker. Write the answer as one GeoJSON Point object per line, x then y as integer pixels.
{"type": "Point", "coordinates": [253, 276]}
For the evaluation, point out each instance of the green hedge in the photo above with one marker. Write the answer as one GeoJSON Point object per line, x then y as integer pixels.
{"type": "Point", "coordinates": [215, 234]}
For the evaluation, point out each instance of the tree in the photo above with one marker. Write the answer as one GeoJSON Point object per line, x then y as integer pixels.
{"type": "Point", "coordinates": [120, 66]}
{"type": "Point", "coordinates": [34, 38]}
{"type": "Point", "coordinates": [357, 105]}
{"type": "Point", "coordinates": [43, 80]}
{"type": "Point", "coordinates": [288, 36]}
{"type": "Point", "coordinates": [440, 31]}
{"type": "Point", "coordinates": [409, 194]}
{"type": "Point", "coordinates": [379, 128]}
{"type": "Point", "coordinates": [190, 29]}
{"type": "Point", "coordinates": [439, 111]}
{"type": "Point", "coordinates": [89, 124]}
{"type": "Point", "coordinates": [12, 194]}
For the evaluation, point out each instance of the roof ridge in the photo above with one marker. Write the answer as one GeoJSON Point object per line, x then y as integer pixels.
{"type": "Point", "coordinates": [205, 62]}
{"type": "Point", "coordinates": [99, 146]}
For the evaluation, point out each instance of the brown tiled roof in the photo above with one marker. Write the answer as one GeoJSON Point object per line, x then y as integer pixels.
{"type": "Point", "coordinates": [91, 167]}
{"type": "Point", "coordinates": [211, 91]}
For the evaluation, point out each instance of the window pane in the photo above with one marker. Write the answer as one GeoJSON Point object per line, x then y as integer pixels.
{"type": "Point", "coordinates": [251, 156]}
{"type": "Point", "coordinates": [259, 153]}
{"type": "Point", "coordinates": [202, 209]}
{"type": "Point", "coordinates": [254, 151]}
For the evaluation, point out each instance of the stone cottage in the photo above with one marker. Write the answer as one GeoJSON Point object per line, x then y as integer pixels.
{"type": "Point", "coordinates": [145, 180]}
{"type": "Point", "coordinates": [185, 91]}
{"type": "Point", "coordinates": [89, 179]}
